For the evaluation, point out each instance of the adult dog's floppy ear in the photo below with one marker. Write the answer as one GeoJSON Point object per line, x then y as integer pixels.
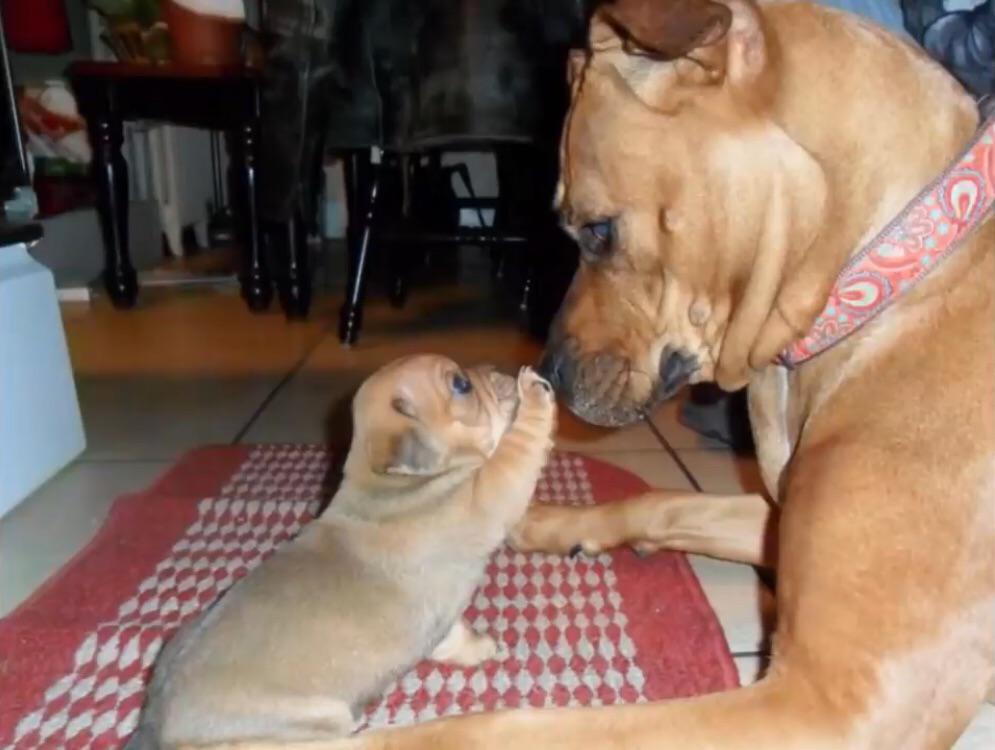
{"type": "Point", "coordinates": [406, 453]}
{"type": "Point", "coordinates": [668, 29]}
{"type": "Point", "coordinates": [725, 41]}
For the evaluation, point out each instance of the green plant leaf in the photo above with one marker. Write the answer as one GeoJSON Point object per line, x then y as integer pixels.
{"type": "Point", "coordinates": [146, 11]}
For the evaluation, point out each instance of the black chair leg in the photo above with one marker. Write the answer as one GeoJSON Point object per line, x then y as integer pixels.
{"type": "Point", "coordinates": [397, 290]}
{"type": "Point", "coordinates": [399, 258]}
{"type": "Point", "coordinates": [294, 280]}
{"type": "Point", "coordinates": [527, 288]}
{"type": "Point", "coordinates": [359, 240]}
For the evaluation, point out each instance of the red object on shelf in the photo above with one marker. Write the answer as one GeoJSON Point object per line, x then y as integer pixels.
{"type": "Point", "coordinates": [36, 26]}
{"type": "Point", "coordinates": [59, 195]}
{"type": "Point", "coordinates": [199, 39]}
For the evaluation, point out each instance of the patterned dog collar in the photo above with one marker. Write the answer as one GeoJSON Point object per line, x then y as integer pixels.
{"type": "Point", "coordinates": [928, 230]}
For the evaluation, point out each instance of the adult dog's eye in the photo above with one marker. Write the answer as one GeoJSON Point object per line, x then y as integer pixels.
{"type": "Point", "coordinates": [460, 384]}
{"type": "Point", "coordinates": [595, 239]}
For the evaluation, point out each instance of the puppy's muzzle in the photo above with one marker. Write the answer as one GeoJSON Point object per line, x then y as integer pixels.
{"type": "Point", "coordinates": [504, 386]}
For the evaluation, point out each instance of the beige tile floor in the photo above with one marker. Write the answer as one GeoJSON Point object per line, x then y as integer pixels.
{"type": "Point", "coordinates": [190, 368]}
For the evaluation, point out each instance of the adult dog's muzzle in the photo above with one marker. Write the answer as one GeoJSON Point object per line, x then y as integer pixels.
{"type": "Point", "coordinates": [598, 388]}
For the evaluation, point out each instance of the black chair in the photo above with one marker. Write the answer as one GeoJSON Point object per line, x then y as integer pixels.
{"type": "Point", "coordinates": [391, 85]}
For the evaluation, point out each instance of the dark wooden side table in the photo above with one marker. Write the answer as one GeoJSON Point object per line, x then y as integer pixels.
{"type": "Point", "coordinates": [215, 98]}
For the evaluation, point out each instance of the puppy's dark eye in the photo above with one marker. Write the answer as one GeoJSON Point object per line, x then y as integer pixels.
{"type": "Point", "coordinates": [595, 239]}
{"type": "Point", "coordinates": [460, 384]}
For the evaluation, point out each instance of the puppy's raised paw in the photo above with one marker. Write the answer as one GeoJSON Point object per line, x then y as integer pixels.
{"type": "Point", "coordinates": [532, 386]}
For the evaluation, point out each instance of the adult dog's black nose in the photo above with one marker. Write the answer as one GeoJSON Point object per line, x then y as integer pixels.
{"type": "Point", "coordinates": [556, 366]}
{"type": "Point", "coordinates": [549, 367]}
{"type": "Point", "coordinates": [675, 367]}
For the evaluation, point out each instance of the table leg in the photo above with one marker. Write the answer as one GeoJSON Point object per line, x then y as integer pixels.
{"type": "Point", "coordinates": [257, 289]}
{"type": "Point", "coordinates": [111, 175]}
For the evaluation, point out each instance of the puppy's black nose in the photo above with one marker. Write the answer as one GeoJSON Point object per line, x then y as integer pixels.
{"type": "Point", "coordinates": [675, 367]}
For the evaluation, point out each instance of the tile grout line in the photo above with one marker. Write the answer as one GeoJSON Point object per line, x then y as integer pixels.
{"type": "Point", "coordinates": [767, 578]}
{"type": "Point", "coordinates": [298, 365]}
{"type": "Point", "coordinates": [672, 453]}
{"type": "Point", "coordinates": [763, 576]}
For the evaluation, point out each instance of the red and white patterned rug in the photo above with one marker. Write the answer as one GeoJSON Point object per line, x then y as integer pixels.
{"type": "Point", "coordinates": [588, 631]}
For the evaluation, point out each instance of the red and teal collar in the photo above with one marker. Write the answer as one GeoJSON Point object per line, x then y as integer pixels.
{"type": "Point", "coordinates": [927, 231]}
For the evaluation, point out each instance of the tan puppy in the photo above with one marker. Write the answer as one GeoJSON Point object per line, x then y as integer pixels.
{"type": "Point", "coordinates": [440, 468]}
{"type": "Point", "coordinates": [720, 163]}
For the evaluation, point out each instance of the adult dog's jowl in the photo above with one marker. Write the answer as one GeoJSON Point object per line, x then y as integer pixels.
{"type": "Point", "coordinates": [721, 162]}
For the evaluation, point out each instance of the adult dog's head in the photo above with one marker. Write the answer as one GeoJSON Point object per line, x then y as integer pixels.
{"type": "Point", "coordinates": [693, 209]}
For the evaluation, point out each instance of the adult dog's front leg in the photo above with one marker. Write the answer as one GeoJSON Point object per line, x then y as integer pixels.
{"type": "Point", "coordinates": [741, 528]}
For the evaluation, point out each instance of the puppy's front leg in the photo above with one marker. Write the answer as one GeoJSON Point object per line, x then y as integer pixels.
{"type": "Point", "coordinates": [504, 485]}
{"type": "Point", "coordinates": [464, 647]}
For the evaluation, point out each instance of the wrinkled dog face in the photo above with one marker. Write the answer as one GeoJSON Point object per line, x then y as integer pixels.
{"type": "Point", "coordinates": [673, 184]}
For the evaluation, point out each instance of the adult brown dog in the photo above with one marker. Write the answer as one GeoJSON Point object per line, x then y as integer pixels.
{"type": "Point", "coordinates": [719, 164]}
{"type": "Point", "coordinates": [442, 465]}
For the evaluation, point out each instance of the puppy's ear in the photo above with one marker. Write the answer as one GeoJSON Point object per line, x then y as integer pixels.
{"type": "Point", "coordinates": [405, 453]}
